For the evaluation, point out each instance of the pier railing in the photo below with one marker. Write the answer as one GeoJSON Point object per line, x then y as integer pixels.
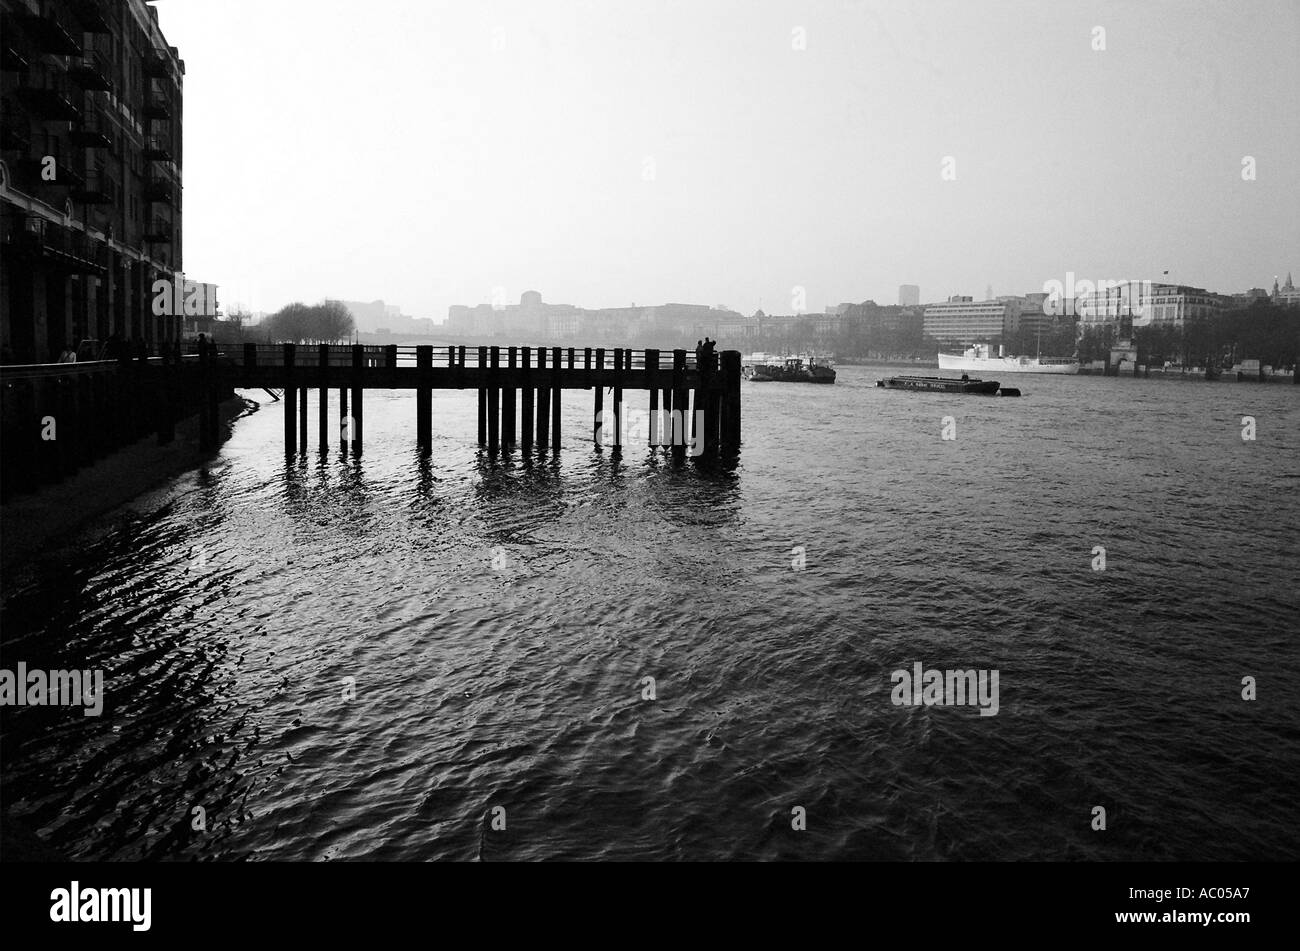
{"type": "Point", "coordinates": [340, 355]}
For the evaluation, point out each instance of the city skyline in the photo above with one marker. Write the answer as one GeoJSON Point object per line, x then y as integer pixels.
{"type": "Point", "coordinates": [612, 158]}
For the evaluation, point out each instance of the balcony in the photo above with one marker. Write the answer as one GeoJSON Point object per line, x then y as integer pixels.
{"type": "Point", "coordinates": [33, 237]}
{"type": "Point", "coordinates": [157, 148]}
{"type": "Point", "coordinates": [158, 63]}
{"type": "Point", "coordinates": [50, 35]}
{"type": "Point", "coordinates": [157, 106]}
{"type": "Point", "coordinates": [158, 190]}
{"type": "Point", "coordinates": [159, 231]}
{"type": "Point", "coordinates": [91, 71]}
{"type": "Point", "coordinates": [93, 16]}
{"type": "Point", "coordinates": [93, 132]}
{"type": "Point", "coordinates": [99, 188]}
{"type": "Point", "coordinates": [49, 97]}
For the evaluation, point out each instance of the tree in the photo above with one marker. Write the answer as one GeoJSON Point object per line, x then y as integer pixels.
{"type": "Point", "coordinates": [326, 322]}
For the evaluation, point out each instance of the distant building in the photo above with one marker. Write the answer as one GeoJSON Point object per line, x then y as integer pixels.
{"type": "Point", "coordinates": [1177, 305]}
{"type": "Point", "coordinates": [372, 316]}
{"type": "Point", "coordinates": [960, 321]}
{"type": "Point", "coordinates": [1248, 298]}
{"type": "Point", "coordinates": [909, 295]}
{"type": "Point", "coordinates": [533, 316]}
{"type": "Point", "coordinates": [376, 316]}
{"type": "Point", "coordinates": [1287, 293]}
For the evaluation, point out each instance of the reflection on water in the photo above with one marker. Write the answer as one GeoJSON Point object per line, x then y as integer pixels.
{"type": "Point", "coordinates": [360, 658]}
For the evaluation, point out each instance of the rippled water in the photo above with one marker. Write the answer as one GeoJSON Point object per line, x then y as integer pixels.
{"type": "Point", "coordinates": [228, 609]}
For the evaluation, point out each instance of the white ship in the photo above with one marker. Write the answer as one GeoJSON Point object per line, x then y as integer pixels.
{"type": "Point", "coordinates": [980, 358]}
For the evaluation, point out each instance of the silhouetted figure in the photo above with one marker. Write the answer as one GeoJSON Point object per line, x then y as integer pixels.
{"type": "Point", "coordinates": [705, 358]}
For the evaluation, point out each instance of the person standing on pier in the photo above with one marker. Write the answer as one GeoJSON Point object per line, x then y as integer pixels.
{"type": "Point", "coordinates": [704, 358]}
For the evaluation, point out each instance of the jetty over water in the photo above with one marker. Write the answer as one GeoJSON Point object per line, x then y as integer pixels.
{"type": "Point", "coordinates": [58, 418]}
{"type": "Point", "coordinates": [519, 390]}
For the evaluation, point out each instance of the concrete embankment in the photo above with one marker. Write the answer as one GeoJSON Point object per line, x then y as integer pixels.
{"type": "Point", "coordinates": [38, 521]}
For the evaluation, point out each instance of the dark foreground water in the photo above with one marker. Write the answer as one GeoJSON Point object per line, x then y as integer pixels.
{"type": "Point", "coordinates": [498, 623]}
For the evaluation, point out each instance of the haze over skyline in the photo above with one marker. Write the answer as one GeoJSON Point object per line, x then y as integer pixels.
{"type": "Point", "coordinates": [605, 154]}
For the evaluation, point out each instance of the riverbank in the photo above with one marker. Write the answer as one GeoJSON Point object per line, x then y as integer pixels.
{"type": "Point", "coordinates": [41, 520]}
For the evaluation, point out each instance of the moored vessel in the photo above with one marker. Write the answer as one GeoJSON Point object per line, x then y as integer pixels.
{"type": "Point", "coordinates": [793, 370]}
{"type": "Point", "coordinates": [943, 384]}
{"type": "Point", "coordinates": [979, 358]}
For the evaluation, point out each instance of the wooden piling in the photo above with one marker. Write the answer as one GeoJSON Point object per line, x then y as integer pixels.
{"type": "Point", "coordinates": [424, 397]}
{"type": "Point", "coordinates": [482, 400]}
{"type": "Point", "coordinates": [358, 388]}
{"type": "Point", "coordinates": [619, 356]}
{"type": "Point", "coordinates": [652, 384]}
{"type": "Point", "coordinates": [302, 413]}
{"type": "Point", "coordinates": [494, 400]}
{"type": "Point", "coordinates": [345, 430]}
{"type": "Point", "coordinates": [508, 403]}
{"type": "Point", "coordinates": [555, 399]}
{"type": "Point", "coordinates": [681, 417]}
{"type": "Point", "coordinates": [290, 403]}
{"type": "Point", "coordinates": [731, 378]}
{"type": "Point", "coordinates": [543, 403]}
{"type": "Point", "coordinates": [597, 433]}
{"type": "Point", "coordinates": [206, 437]}
{"type": "Point", "coordinates": [526, 399]}
{"type": "Point", "coordinates": [324, 419]}
{"type": "Point", "coordinates": [712, 408]}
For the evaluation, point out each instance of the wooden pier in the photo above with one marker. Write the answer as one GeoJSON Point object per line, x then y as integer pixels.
{"type": "Point", "coordinates": [688, 406]}
{"type": "Point", "coordinates": [58, 418]}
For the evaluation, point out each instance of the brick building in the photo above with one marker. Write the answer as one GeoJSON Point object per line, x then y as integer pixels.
{"type": "Point", "coordinates": [90, 175]}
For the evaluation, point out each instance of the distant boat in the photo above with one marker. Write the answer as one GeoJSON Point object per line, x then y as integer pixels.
{"type": "Point", "coordinates": [943, 384]}
{"type": "Point", "coordinates": [793, 370]}
{"type": "Point", "coordinates": [979, 358]}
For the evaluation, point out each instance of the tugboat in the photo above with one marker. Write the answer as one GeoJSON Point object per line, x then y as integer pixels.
{"type": "Point", "coordinates": [793, 370]}
{"type": "Point", "coordinates": [943, 384]}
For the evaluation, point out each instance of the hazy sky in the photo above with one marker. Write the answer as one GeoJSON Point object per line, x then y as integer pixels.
{"type": "Point", "coordinates": [610, 153]}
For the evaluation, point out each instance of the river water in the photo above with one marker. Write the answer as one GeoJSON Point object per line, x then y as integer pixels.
{"type": "Point", "coordinates": [392, 658]}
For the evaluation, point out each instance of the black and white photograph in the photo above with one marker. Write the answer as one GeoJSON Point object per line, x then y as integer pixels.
{"type": "Point", "coordinates": [608, 432]}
